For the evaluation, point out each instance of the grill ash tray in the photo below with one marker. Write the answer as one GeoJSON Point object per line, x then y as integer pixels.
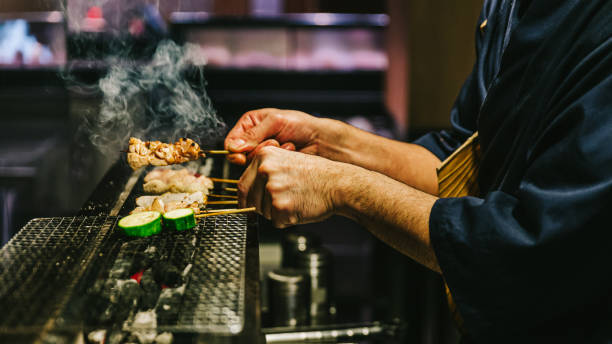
{"type": "Point", "coordinates": [80, 273]}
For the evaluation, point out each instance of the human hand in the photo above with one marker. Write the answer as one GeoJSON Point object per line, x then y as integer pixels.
{"type": "Point", "coordinates": [290, 188]}
{"type": "Point", "coordinates": [293, 130]}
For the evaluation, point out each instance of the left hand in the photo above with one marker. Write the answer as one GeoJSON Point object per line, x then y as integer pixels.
{"type": "Point", "coordinates": [288, 187]}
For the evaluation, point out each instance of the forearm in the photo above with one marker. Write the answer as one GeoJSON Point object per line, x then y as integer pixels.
{"type": "Point", "coordinates": [411, 164]}
{"type": "Point", "coordinates": [394, 212]}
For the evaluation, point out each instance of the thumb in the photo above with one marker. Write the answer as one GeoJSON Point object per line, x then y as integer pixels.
{"type": "Point", "coordinates": [269, 142]}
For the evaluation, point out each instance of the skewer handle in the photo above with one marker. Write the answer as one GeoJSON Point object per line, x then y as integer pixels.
{"type": "Point", "coordinates": [221, 180]}
{"type": "Point", "coordinates": [223, 196]}
{"type": "Point", "coordinates": [225, 212]}
{"type": "Point", "coordinates": [208, 211]}
{"type": "Point", "coordinates": [212, 151]}
{"type": "Point", "coordinates": [222, 202]}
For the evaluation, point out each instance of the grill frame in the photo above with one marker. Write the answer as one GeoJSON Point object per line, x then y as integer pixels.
{"type": "Point", "coordinates": [104, 198]}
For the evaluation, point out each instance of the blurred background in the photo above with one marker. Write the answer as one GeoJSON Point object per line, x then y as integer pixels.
{"type": "Point", "coordinates": [391, 67]}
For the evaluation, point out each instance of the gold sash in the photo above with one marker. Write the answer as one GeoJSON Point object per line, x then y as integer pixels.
{"type": "Point", "coordinates": [458, 177]}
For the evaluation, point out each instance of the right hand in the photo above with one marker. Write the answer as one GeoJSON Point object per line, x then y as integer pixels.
{"type": "Point", "coordinates": [293, 130]}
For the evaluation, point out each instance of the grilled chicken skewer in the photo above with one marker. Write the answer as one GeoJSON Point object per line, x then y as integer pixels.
{"type": "Point", "coordinates": [143, 153]}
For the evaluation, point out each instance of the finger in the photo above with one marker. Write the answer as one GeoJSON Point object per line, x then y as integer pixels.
{"type": "Point", "coordinates": [288, 146]}
{"type": "Point", "coordinates": [246, 182]}
{"type": "Point", "coordinates": [266, 206]}
{"type": "Point", "coordinates": [253, 128]}
{"type": "Point", "coordinates": [256, 195]}
{"type": "Point", "coordinates": [237, 158]}
{"type": "Point", "coordinates": [248, 120]}
{"type": "Point", "coordinates": [266, 143]}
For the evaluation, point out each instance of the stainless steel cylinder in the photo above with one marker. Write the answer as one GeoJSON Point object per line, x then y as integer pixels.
{"type": "Point", "coordinates": [317, 264]}
{"type": "Point", "coordinates": [288, 297]}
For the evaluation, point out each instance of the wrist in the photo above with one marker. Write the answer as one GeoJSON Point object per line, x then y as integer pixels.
{"type": "Point", "coordinates": [348, 178]}
{"type": "Point", "coordinates": [331, 138]}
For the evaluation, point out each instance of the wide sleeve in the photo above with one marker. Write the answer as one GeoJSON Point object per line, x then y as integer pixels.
{"type": "Point", "coordinates": [534, 256]}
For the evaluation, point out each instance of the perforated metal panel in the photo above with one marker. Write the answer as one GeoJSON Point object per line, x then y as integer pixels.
{"type": "Point", "coordinates": [60, 273]}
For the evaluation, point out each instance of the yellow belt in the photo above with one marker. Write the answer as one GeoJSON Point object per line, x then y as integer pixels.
{"type": "Point", "coordinates": [458, 177]}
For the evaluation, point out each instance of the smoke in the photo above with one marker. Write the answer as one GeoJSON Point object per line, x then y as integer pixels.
{"type": "Point", "coordinates": [158, 98]}
{"type": "Point", "coordinates": [155, 101]}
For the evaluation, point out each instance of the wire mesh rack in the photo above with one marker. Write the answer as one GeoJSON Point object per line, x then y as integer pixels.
{"type": "Point", "coordinates": [80, 273]}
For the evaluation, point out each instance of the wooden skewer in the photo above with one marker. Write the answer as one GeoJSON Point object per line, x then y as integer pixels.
{"type": "Point", "coordinates": [234, 211]}
{"type": "Point", "coordinates": [206, 211]}
{"type": "Point", "coordinates": [222, 202]}
{"type": "Point", "coordinates": [221, 180]}
{"type": "Point", "coordinates": [223, 196]}
{"type": "Point", "coordinates": [231, 189]}
{"type": "Point", "coordinates": [213, 151]}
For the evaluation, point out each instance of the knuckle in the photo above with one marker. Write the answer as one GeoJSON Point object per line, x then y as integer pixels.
{"type": "Point", "coordinates": [266, 150]}
{"type": "Point", "coordinates": [278, 115]}
{"type": "Point", "coordinates": [272, 187]}
{"type": "Point", "coordinates": [282, 205]}
{"type": "Point", "coordinates": [242, 190]}
{"type": "Point", "coordinates": [263, 169]}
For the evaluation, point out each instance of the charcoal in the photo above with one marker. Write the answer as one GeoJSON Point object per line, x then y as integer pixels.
{"type": "Point", "coordinates": [121, 269]}
{"type": "Point", "coordinates": [168, 305]}
{"type": "Point", "coordinates": [124, 298]}
{"type": "Point", "coordinates": [147, 281]}
{"type": "Point", "coordinates": [97, 337]}
{"type": "Point", "coordinates": [167, 274]}
{"type": "Point", "coordinates": [146, 259]}
{"type": "Point", "coordinates": [164, 338]}
{"type": "Point", "coordinates": [128, 293]}
{"type": "Point", "coordinates": [115, 337]}
{"type": "Point", "coordinates": [151, 290]}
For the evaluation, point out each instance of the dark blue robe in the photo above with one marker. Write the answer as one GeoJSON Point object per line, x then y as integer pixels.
{"type": "Point", "coordinates": [531, 258]}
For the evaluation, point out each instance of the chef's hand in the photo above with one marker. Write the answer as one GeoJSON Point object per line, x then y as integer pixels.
{"type": "Point", "coordinates": [289, 188]}
{"type": "Point", "coordinates": [290, 129]}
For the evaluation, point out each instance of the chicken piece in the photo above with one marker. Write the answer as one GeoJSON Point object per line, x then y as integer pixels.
{"type": "Point", "coordinates": [170, 201]}
{"type": "Point", "coordinates": [196, 197]}
{"type": "Point", "coordinates": [138, 210]}
{"type": "Point", "coordinates": [196, 207]}
{"type": "Point", "coordinates": [145, 201]}
{"type": "Point", "coordinates": [174, 205]}
{"type": "Point", "coordinates": [155, 186]}
{"type": "Point", "coordinates": [137, 161]}
{"type": "Point", "coordinates": [183, 180]}
{"type": "Point", "coordinates": [174, 197]}
{"type": "Point", "coordinates": [158, 205]}
{"type": "Point", "coordinates": [188, 148]}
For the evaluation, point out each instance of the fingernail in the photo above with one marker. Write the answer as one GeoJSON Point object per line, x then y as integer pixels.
{"type": "Point", "coordinates": [236, 144]}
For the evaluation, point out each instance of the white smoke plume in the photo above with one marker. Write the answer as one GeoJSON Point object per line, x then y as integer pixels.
{"type": "Point", "coordinates": [155, 101]}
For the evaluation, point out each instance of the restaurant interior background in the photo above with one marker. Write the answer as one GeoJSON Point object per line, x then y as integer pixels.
{"type": "Point", "coordinates": [392, 67]}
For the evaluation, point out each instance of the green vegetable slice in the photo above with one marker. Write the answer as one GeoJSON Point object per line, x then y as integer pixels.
{"type": "Point", "coordinates": [180, 219]}
{"type": "Point", "coordinates": [141, 224]}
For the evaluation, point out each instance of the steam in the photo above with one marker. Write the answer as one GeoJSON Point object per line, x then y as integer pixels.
{"type": "Point", "coordinates": [155, 101]}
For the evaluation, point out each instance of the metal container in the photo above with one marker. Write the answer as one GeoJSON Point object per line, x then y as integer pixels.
{"type": "Point", "coordinates": [288, 297]}
{"type": "Point", "coordinates": [317, 264]}
{"type": "Point", "coordinates": [295, 242]}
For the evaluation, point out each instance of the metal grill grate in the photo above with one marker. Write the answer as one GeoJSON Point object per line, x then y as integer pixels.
{"type": "Point", "coordinates": [60, 273]}
{"type": "Point", "coordinates": [39, 265]}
